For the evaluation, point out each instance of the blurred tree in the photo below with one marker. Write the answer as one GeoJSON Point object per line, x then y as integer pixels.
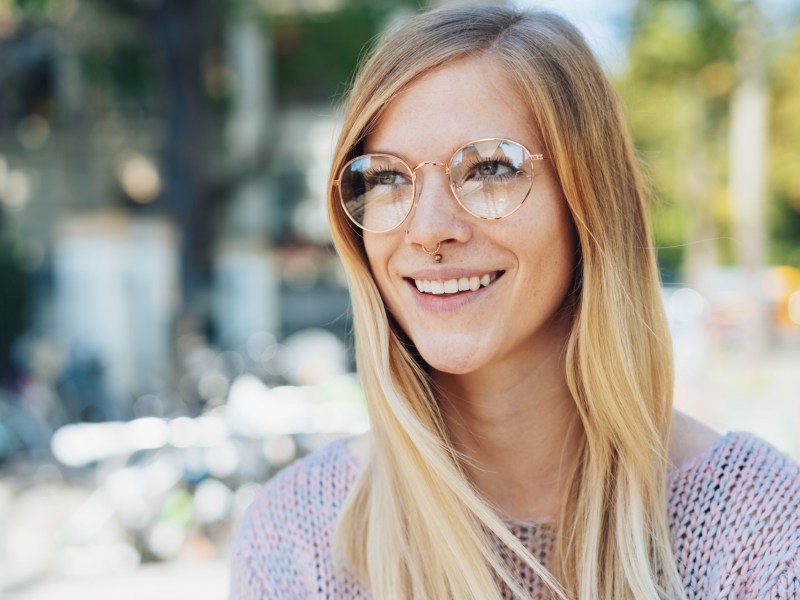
{"type": "Point", "coordinates": [316, 52]}
{"type": "Point", "coordinates": [678, 89]}
{"type": "Point", "coordinates": [146, 59]}
{"type": "Point", "coordinates": [185, 32]}
{"type": "Point", "coordinates": [15, 298]}
{"type": "Point", "coordinates": [33, 9]}
{"type": "Point", "coordinates": [164, 58]}
{"type": "Point", "coordinates": [784, 211]}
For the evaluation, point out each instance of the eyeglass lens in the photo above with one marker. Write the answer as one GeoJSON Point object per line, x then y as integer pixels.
{"type": "Point", "coordinates": [490, 178]}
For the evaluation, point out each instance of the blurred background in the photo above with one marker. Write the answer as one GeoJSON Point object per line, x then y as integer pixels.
{"type": "Point", "coordinates": [173, 320]}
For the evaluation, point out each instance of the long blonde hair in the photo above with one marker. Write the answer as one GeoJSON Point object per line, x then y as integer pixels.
{"type": "Point", "coordinates": [413, 525]}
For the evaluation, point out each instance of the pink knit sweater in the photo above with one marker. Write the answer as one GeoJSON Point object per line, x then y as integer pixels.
{"type": "Point", "coordinates": [734, 514]}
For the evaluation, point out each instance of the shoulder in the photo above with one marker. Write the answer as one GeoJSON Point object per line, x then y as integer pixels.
{"type": "Point", "coordinates": [741, 468]}
{"type": "Point", "coordinates": [311, 486]}
{"type": "Point", "coordinates": [735, 515]}
{"type": "Point", "coordinates": [688, 439]}
{"type": "Point", "coordinates": [288, 525]}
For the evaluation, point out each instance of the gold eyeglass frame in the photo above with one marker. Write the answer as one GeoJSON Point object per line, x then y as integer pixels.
{"type": "Point", "coordinates": [430, 163]}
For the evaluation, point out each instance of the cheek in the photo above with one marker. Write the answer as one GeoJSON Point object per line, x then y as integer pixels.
{"type": "Point", "coordinates": [562, 229]}
{"type": "Point", "coordinates": [551, 253]}
{"type": "Point", "coordinates": [374, 251]}
{"type": "Point", "coordinates": [379, 250]}
{"type": "Point", "coordinates": [562, 242]}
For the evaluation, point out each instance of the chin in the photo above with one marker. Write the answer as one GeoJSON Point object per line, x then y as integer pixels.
{"type": "Point", "coordinates": [450, 368]}
{"type": "Point", "coordinates": [453, 363]}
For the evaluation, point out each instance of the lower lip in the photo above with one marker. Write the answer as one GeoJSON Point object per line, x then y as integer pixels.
{"type": "Point", "coordinates": [442, 303]}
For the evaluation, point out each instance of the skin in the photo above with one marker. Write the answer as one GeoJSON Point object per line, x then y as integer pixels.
{"type": "Point", "coordinates": [496, 358]}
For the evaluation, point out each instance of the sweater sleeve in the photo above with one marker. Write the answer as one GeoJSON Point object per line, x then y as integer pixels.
{"type": "Point", "coordinates": [281, 547]}
{"type": "Point", "coordinates": [735, 515]}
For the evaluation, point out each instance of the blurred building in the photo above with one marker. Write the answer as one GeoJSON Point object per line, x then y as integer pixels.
{"type": "Point", "coordinates": [155, 185]}
{"type": "Point", "coordinates": [115, 297]}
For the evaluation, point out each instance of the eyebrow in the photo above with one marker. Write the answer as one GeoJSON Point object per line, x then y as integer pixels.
{"type": "Point", "coordinates": [450, 152]}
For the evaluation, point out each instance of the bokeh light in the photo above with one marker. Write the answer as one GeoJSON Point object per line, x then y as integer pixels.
{"type": "Point", "coordinates": [139, 177]}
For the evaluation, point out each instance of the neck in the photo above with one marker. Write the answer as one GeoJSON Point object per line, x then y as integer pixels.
{"type": "Point", "coordinates": [518, 429]}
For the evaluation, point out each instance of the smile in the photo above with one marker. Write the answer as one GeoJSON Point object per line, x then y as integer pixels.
{"type": "Point", "coordinates": [454, 286]}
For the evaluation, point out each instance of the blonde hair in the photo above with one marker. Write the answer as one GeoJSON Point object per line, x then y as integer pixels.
{"type": "Point", "coordinates": [413, 525]}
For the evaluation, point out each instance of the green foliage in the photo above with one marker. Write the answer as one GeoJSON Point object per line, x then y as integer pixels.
{"type": "Point", "coordinates": [33, 9]}
{"type": "Point", "coordinates": [784, 214]}
{"type": "Point", "coordinates": [676, 37]}
{"type": "Point", "coordinates": [315, 53]}
{"type": "Point", "coordinates": [125, 67]}
{"type": "Point", "coordinates": [677, 90]}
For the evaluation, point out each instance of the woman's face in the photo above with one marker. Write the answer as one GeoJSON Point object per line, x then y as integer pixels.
{"type": "Point", "coordinates": [529, 255]}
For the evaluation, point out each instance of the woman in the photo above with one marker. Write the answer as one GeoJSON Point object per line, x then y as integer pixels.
{"type": "Point", "coordinates": [513, 349]}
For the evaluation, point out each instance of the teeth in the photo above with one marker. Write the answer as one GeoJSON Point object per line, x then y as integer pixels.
{"type": "Point", "coordinates": [452, 286]}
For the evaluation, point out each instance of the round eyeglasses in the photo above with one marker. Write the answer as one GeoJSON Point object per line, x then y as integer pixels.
{"type": "Point", "coordinates": [490, 178]}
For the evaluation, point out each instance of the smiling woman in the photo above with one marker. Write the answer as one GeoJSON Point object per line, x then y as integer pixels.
{"type": "Point", "coordinates": [524, 258]}
{"type": "Point", "coordinates": [511, 341]}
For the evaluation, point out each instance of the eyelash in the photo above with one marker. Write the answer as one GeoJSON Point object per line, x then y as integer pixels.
{"type": "Point", "coordinates": [373, 172]}
{"type": "Point", "coordinates": [478, 162]}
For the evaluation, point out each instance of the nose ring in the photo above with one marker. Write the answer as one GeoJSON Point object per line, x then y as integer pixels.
{"type": "Point", "coordinates": [435, 253]}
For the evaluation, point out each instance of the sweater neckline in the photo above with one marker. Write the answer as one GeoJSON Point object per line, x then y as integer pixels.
{"type": "Point", "coordinates": [549, 527]}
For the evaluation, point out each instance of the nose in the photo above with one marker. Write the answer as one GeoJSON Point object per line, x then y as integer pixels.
{"type": "Point", "coordinates": [436, 216]}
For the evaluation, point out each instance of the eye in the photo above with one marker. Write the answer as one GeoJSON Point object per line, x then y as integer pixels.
{"type": "Point", "coordinates": [385, 178]}
{"type": "Point", "coordinates": [388, 178]}
{"type": "Point", "coordinates": [492, 169]}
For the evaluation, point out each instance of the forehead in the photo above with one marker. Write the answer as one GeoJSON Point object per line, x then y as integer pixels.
{"type": "Point", "coordinates": [462, 101]}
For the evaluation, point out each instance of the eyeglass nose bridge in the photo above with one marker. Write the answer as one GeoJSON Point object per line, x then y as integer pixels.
{"type": "Point", "coordinates": [431, 163]}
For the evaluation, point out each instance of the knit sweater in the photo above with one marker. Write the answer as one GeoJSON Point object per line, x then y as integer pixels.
{"type": "Point", "coordinates": [734, 517]}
